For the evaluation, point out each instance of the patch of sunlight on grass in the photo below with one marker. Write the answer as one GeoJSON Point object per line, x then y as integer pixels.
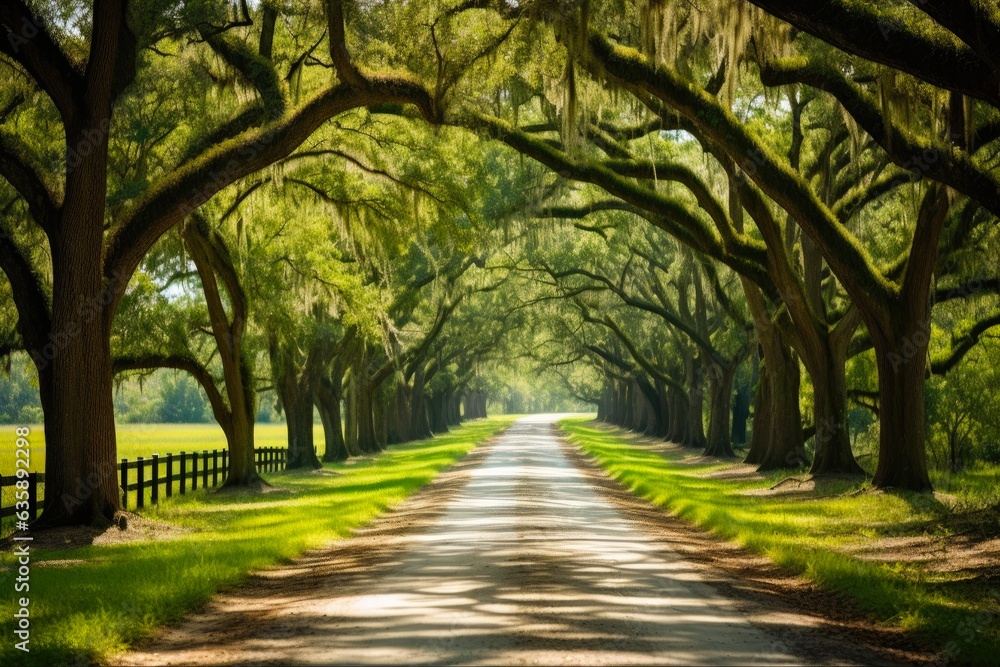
{"type": "Point", "coordinates": [809, 536]}
{"type": "Point", "coordinates": [91, 610]}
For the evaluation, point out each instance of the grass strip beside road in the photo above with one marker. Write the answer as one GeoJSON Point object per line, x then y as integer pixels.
{"type": "Point", "coordinates": [92, 602]}
{"type": "Point", "coordinates": [955, 612]}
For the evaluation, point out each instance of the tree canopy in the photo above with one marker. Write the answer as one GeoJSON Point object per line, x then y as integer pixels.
{"type": "Point", "coordinates": [754, 228]}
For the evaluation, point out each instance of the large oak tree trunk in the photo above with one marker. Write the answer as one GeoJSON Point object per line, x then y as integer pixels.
{"type": "Point", "coordinates": [680, 422]}
{"type": "Point", "coordinates": [328, 405]}
{"type": "Point", "coordinates": [741, 413]}
{"type": "Point", "coordinates": [695, 436]}
{"type": "Point", "coordinates": [778, 443]}
{"type": "Point", "coordinates": [399, 417]}
{"type": "Point", "coordinates": [439, 412]}
{"type": "Point", "coordinates": [242, 462]}
{"type": "Point", "coordinates": [833, 453]}
{"type": "Point", "coordinates": [763, 414]}
{"type": "Point", "coordinates": [720, 392]}
{"type": "Point", "coordinates": [367, 439]}
{"type": "Point", "coordinates": [81, 480]}
{"type": "Point", "coordinates": [454, 409]}
{"type": "Point", "coordinates": [420, 426]}
{"type": "Point", "coordinates": [299, 418]}
{"type": "Point", "coordinates": [900, 354]}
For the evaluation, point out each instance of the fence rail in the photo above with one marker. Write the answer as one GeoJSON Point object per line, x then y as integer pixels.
{"type": "Point", "coordinates": [186, 471]}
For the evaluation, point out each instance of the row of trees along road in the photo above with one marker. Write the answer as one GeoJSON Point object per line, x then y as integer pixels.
{"type": "Point", "coordinates": [371, 209]}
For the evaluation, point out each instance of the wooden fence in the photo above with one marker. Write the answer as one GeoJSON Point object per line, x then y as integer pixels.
{"type": "Point", "coordinates": [157, 474]}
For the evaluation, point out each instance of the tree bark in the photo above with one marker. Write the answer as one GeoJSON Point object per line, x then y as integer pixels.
{"type": "Point", "coordinates": [833, 453]}
{"type": "Point", "coordinates": [900, 355]}
{"type": "Point", "coordinates": [367, 439]}
{"type": "Point", "coordinates": [237, 417]}
{"type": "Point", "coordinates": [81, 478]}
{"type": "Point", "coordinates": [439, 412]}
{"type": "Point", "coordinates": [781, 428]}
{"type": "Point", "coordinates": [695, 431]}
{"type": "Point", "coordinates": [419, 418]}
{"type": "Point", "coordinates": [328, 404]}
{"type": "Point", "coordinates": [720, 392]}
{"type": "Point", "coordinates": [741, 414]}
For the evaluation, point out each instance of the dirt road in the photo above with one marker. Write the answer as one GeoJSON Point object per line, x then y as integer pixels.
{"type": "Point", "coordinates": [514, 558]}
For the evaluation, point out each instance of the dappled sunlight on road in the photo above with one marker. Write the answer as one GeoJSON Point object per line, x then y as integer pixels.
{"type": "Point", "coordinates": [527, 565]}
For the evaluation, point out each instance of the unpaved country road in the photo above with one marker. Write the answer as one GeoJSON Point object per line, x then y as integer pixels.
{"type": "Point", "coordinates": [526, 563]}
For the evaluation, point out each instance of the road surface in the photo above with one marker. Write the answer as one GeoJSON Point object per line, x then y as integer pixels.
{"type": "Point", "coordinates": [526, 563]}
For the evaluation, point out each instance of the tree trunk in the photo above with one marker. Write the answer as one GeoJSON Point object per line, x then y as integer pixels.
{"type": "Point", "coordinates": [367, 439]}
{"type": "Point", "coordinates": [695, 436]}
{"type": "Point", "coordinates": [299, 418]}
{"type": "Point", "coordinates": [420, 426]}
{"type": "Point", "coordinates": [741, 413]}
{"type": "Point", "coordinates": [242, 464]}
{"type": "Point", "coordinates": [679, 417]}
{"type": "Point", "coordinates": [81, 480]}
{"type": "Point", "coordinates": [662, 409]}
{"type": "Point", "coordinates": [454, 409]}
{"type": "Point", "coordinates": [328, 405]}
{"type": "Point", "coordinates": [780, 383]}
{"type": "Point", "coordinates": [720, 392]}
{"type": "Point", "coordinates": [439, 412]}
{"type": "Point", "coordinates": [399, 417]}
{"type": "Point", "coordinates": [900, 354]}
{"type": "Point", "coordinates": [833, 453]}
{"type": "Point", "coordinates": [763, 415]}
{"type": "Point", "coordinates": [238, 415]}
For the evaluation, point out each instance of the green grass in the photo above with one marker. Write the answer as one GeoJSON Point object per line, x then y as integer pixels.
{"type": "Point", "coordinates": [813, 537]}
{"type": "Point", "coordinates": [89, 603]}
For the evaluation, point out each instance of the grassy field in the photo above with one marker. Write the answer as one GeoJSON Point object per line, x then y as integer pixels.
{"type": "Point", "coordinates": [89, 603]}
{"type": "Point", "coordinates": [135, 440]}
{"type": "Point", "coordinates": [815, 537]}
{"type": "Point", "coordinates": [147, 439]}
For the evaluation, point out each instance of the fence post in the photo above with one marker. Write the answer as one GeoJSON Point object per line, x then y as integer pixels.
{"type": "Point", "coordinates": [204, 468]}
{"type": "Point", "coordinates": [155, 497]}
{"type": "Point", "coordinates": [225, 465]}
{"type": "Point", "coordinates": [170, 475]}
{"type": "Point", "coordinates": [140, 480]}
{"type": "Point", "coordinates": [124, 484]}
{"type": "Point", "coordinates": [184, 470]}
{"type": "Point", "coordinates": [194, 471]}
{"type": "Point", "coordinates": [215, 467]}
{"type": "Point", "coordinates": [33, 495]}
